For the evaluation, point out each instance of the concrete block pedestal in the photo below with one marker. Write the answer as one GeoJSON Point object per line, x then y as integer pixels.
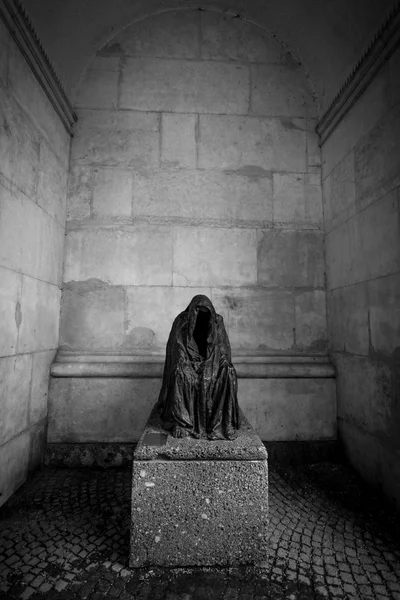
{"type": "Point", "coordinates": [198, 503]}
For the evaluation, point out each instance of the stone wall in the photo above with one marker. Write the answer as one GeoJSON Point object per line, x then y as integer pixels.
{"type": "Point", "coordinates": [361, 179]}
{"type": "Point", "coordinates": [34, 148]}
{"type": "Point", "coordinates": [195, 168]}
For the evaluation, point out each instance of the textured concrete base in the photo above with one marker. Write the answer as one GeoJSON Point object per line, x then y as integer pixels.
{"type": "Point", "coordinates": [198, 512]}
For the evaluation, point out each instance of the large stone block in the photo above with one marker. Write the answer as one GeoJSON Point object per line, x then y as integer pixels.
{"type": "Point", "coordinates": [99, 88]}
{"type": "Point", "coordinates": [99, 409]}
{"type": "Point", "coordinates": [112, 193]}
{"type": "Point", "coordinates": [41, 362]}
{"type": "Point", "coordinates": [212, 257]}
{"type": "Point", "coordinates": [80, 186]}
{"type": "Point", "coordinates": [256, 319]}
{"type": "Point", "coordinates": [14, 463]}
{"type": "Point", "coordinates": [120, 256]}
{"type": "Point", "coordinates": [366, 246]}
{"type": "Point", "coordinates": [310, 320]}
{"type": "Point", "coordinates": [364, 393]}
{"type": "Point", "coordinates": [278, 90]}
{"type": "Point", "coordinates": [15, 381]}
{"type": "Point", "coordinates": [348, 319]}
{"type": "Point", "coordinates": [229, 197]}
{"type": "Point", "coordinates": [150, 329]}
{"type": "Point", "coordinates": [32, 98]}
{"type": "Point", "coordinates": [339, 193]}
{"type": "Point", "coordinates": [272, 144]}
{"type": "Point", "coordinates": [290, 409]}
{"type": "Point", "coordinates": [223, 37]}
{"type": "Point", "coordinates": [30, 240]}
{"type": "Point", "coordinates": [19, 146]}
{"type": "Point", "coordinates": [202, 511]}
{"type": "Point", "coordinates": [40, 309]}
{"type": "Point", "coordinates": [184, 86]}
{"type": "Point", "coordinates": [368, 110]}
{"type": "Point", "coordinates": [52, 184]}
{"type": "Point", "coordinates": [125, 139]}
{"type": "Point", "coordinates": [377, 160]}
{"type": "Point", "coordinates": [297, 200]}
{"type": "Point", "coordinates": [10, 310]}
{"type": "Point", "coordinates": [384, 313]}
{"type": "Point", "coordinates": [313, 147]}
{"type": "Point", "coordinates": [178, 140]}
{"type": "Point", "coordinates": [171, 34]}
{"type": "Point", "coordinates": [92, 316]}
{"type": "Point", "coordinates": [291, 258]}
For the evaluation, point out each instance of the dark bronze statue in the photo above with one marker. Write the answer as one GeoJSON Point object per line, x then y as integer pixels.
{"type": "Point", "coordinates": [198, 397]}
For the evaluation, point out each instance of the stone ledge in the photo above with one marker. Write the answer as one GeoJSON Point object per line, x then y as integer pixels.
{"type": "Point", "coordinates": [71, 364]}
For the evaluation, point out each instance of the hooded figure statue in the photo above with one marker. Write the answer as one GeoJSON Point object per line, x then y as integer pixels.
{"type": "Point", "coordinates": [198, 396]}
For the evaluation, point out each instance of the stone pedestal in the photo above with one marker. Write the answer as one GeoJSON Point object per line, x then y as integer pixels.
{"type": "Point", "coordinates": [197, 502]}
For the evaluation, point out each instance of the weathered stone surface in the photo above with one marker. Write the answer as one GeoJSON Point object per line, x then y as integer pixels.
{"type": "Point", "coordinates": [4, 49]}
{"type": "Point", "coordinates": [15, 377]}
{"type": "Point", "coordinates": [30, 95]}
{"type": "Point", "coordinates": [99, 410]}
{"type": "Point", "coordinates": [14, 462]}
{"type": "Point", "coordinates": [30, 240]}
{"type": "Point", "coordinates": [206, 504]}
{"type": "Point", "coordinates": [19, 146]}
{"type": "Point", "coordinates": [339, 193]}
{"type": "Point", "coordinates": [92, 316]}
{"type": "Point", "coordinates": [348, 319]}
{"type": "Point", "coordinates": [230, 197]}
{"type": "Point", "coordinates": [313, 148]}
{"type": "Point", "coordinates": [178, 143]}
{"type": "Point", "coordinates": [126, 139]}
{"type": "Point", "coordinates": [297, 199]}
{"type": "Point", "coordinates": [377, 160]}
{"type": "Point", "coordinates": [256, 319]}
{"type": "Point", "coordinates": [38, 434]}
{"type": "Point", "coordinates": [368, 110]}
{"type": "Point", "coordinates": [52, 185]}
{"type": "Point", "coordinates": [223, 37]}
{"type": "Point", "coordinates": [278, 90]}
{"type": "Point", "coordinates": [366, 246]}
{"type": "Point", "coordinates": [204, 257]}
{"type": "Point", "coordinates": [363, 450]}
{"type": "Point", "coordinates": [291, 258]}
{"type": "Point", "coordinates": [80, 186]}
{"type": "Point", "coordinates": [272, 144]}
{"type": "Point", "coordinates": [290, 409]}
{"type": "Point", "coordinates": [172, 34]}
{"type": "Point", "coordinates": [99, 88]}
{"type": "Point", "coordinates": [112, 193]}
{"type": "Point", "coordinates": [41, 362]}
{"type": "Point", "coordinates": [10, 310]}
{"type": "Point", "coordinates": [150, 329]}
{"type": "Point", "coordinates": [364, 393]}
{"type": "Point", "coordinates": [40, 308]}
{"type": "Point", "coordinates": [143, 255]}
{"type": "Point", "coordinates": [394, 69]}
{"type": "Point", "coordinates": [384, 313]}
{"type": "Point", "coordinates": [310, 320]}
{"type": "Point", "coordinates": [184, 86]}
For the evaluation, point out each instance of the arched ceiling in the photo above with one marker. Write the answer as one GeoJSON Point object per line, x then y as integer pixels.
{"type": "Point", "coordinates": [327, 36]}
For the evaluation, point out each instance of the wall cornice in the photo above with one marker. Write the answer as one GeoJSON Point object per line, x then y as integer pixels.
{"type": "Point", "coordinates": [382, 46]}
{"type": "Point", "coordinates": [74, 364]}
{"type": "Point", "coordinates": [21, 30]}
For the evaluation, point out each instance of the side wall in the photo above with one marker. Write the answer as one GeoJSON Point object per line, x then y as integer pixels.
{"type": "Point", "coordinates": [34, 147]}
{"type": "Point", "coordinates": [361, 179]}
{"type": "Point", "coordinates": [195, 168]}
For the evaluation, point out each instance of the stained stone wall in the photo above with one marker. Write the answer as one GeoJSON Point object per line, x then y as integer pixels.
{"type": "Point", "coordinates": [194, 169]}
{"type": "Point", "coordinates": [34, 150]}
{"type": "Point", "coordinates": [361, 179]}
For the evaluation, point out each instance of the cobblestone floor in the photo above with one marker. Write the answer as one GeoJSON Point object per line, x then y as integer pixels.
{"type": "Point", "coordinates": [65, 536]}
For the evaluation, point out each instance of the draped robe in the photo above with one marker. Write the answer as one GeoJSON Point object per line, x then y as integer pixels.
{"type": "Point", "coordinates": [198, 396]}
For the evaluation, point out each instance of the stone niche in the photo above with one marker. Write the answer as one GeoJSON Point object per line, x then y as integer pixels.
{"type": "Point", "coordinates": [195, 139]}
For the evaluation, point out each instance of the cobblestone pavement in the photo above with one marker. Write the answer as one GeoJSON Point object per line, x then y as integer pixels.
{"type": "Point", "coordinates": [65, 536]}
